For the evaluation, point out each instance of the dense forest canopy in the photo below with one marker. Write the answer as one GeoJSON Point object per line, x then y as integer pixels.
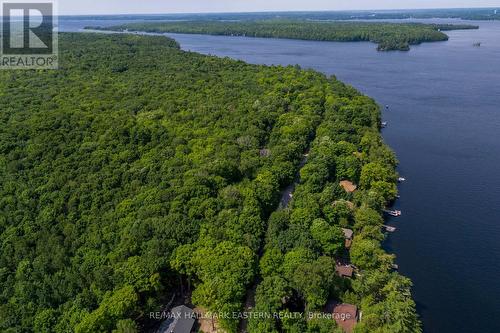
{"type": "Point", "coordinates": [136, 171]}
{"type": "Point", "coordinates": [388, 36]}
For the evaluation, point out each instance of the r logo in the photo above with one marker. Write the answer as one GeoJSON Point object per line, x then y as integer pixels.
{"type": "Point", "coordinates": [27, 28]}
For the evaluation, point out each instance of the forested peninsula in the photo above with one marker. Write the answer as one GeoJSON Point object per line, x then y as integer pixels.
{"type": "Point", "coordinates": [139, 173]}
{"type": "Point", "coordinates": [388, 36]}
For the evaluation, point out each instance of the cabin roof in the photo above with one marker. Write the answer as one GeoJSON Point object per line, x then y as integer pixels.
{"type": "Point", "coordinates": [348, 186]}
{"type": "Point", "coordinates": [346, 316]}
{"type": "Point", "coordinates": [348, 233]}
{"type": "Point", "coordinates": [181, 320]}
{"type": "Point", "coordinates": [344, 270]}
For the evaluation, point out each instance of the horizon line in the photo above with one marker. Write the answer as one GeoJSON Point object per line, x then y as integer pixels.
{"type": "Point", "coordinates": [284, 11]}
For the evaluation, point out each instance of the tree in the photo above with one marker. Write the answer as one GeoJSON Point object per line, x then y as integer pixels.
{"type": "Point", "coordinates": [315, 175]}
{"type": "Point", "coordinates": [271, 295]}
{"type": "Point", "coordinates": [314, 280]}
{"type": "Point", "coordinates": [114, 306]}
{"type": "Point", "coordinates": [271, 262]}
{"type": "Point", "coordinates": [365, 217]}
{"type": "Point", "coordinates": [126, 326]}
{"type": "Point", "coordinates": [387, 304]}
{"type": "Point", "coordinates": [388, 191]}
{"type": "Point", "coordinates": [224, 269]}
{"type": "Point", "coordinates": [366, 253]}
{"type": "Point", "coordinates": [45, 320]}
{"type": "Point", "coordinates": [375, 172]}
{"type": "Point", "coordinates": [134, 272]}
{"type": "Point", "coordinates": [294, 259]}
{"type": "Point", "coordinates": [330, 238]}
{"type": "Point", "coordinates": [322, 325]}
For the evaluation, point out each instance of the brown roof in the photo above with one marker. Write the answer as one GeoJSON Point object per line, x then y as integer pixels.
{"type": "Point", "coordinates": [344, 270]}
{"type": "Point", "coordinates": [346, 316]}
{"type": "Point", "coordinates": [348, 186]}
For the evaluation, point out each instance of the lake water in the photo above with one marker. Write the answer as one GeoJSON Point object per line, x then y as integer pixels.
{"type": "Point", "coordinates": [444, 124]}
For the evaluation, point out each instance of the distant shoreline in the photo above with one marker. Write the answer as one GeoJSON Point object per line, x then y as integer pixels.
{"type": "Point", "coordinates": [388, 36]}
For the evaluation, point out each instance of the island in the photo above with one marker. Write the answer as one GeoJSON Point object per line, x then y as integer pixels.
{"type": "Point", "coordinates": [388, 36]}
{"type": "Point", "coordinates": [139, 177]}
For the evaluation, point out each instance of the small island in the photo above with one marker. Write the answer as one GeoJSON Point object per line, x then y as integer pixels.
{"type": "Point", "coordinates": [388, 36]}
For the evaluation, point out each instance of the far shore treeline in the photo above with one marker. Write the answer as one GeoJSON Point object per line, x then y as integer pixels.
{"type": "Point", "coordinates": [388, 36]}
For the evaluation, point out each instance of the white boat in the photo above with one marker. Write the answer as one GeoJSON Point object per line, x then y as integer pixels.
{"type": "Point", "coordinates": [394, 213]}
{"type": "Point", "coordinates": [389, 228]}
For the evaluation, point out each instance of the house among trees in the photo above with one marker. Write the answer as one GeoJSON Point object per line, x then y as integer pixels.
{"type": "Point", "coordinates": [344, 270]}
{"type": "Point", "coordinates": [348, 234]}
{"type": "Point", "coordinates": [346, 316]}
{"type": "Point", "coordinates": [181, 320]}
{"type": "Point", "coordinates": [348, 186]}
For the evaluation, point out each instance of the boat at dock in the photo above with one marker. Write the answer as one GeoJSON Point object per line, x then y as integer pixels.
{"type": "Point", "coordinates": [394, 213]}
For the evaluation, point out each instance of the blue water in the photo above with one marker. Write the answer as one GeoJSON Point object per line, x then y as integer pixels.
{"type": "Point", "coordinates": [444, 124]}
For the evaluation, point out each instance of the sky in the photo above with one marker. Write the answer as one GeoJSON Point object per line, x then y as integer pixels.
{"type": "Point", "coordinates": [81, 7]}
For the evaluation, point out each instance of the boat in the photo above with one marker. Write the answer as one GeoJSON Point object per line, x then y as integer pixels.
{"type": "Point", "coordinates": [384, 124]}
{"type": "Point", "coordinates": [477, 44]}
{"type": "Point", "coordinates": [401, 179]}
{"type": "Point", "coordinates": [389, 228]}
{"type": "Point", "coordinates": [394, 213]}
